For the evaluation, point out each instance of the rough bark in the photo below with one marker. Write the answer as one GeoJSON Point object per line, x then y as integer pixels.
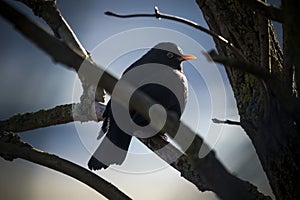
{"type": "Point", "coordinates": [266, 107]}
{"type": "Point", "coordinates": [54, 116]}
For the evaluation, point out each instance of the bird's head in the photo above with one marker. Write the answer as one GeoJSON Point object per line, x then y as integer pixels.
{"type": "Point", "coordinates": [169, 54]}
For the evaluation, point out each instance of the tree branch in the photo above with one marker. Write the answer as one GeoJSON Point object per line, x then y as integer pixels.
{"type": "Point", "coordinates": [221, 183]}
{"type": "Point", "coordinates": [238, 64]}
{"type": "Point", "coordinates": [208, 177]}
{"type": "Point", "coordinates": [266, 10]}
{"type": "Point", "coordinates": [11, 147]}
{"type": "Point", "coordinates": [230, 122]}
{"type": "Point", "coordinates": [48, 11]}
{"type": "Point", "coordinates": [59, 115]}
{"type": "Point", "coordinates": [160, 15]}
{"type": "Point", "coordinates": [170, 154]}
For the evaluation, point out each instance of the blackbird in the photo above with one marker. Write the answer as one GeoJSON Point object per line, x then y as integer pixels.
{"type": "Point", "coordinates": [113, 148]}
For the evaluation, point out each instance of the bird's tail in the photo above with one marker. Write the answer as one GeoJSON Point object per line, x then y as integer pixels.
{"type": "Point", "coordinates": [95, 164]}
{"type": "Point", "coordinates": [108, 153]}
{"type": "Point", "coordinates": [112, 150]}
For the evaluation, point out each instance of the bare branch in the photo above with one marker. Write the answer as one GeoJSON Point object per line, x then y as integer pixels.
{"type": "Point", "coordinates": [266, 10]}
{"type": "Point", "coordinates": [40, 37]}
{"type": "Point", "coordinates": [47, 10]}
{"type": "Point", "coordinates": [11, 147]}
{"type": "Point", "coordinates": [43, 118]}
{"type": "Point", "coordinates": [63, 114]}
{"type": "Point", "coordinates": [238, 64]}
{"type": "Point", "coordinates": [221, 184]}
{"type": "Point", "coordinates": [59, 115]}
{"type": "Point", "coordinates": [230, 122]}
{"type": "Point", "coordinates": [208, 177]}
{"type": "Point", "coordinates": [160, 15]}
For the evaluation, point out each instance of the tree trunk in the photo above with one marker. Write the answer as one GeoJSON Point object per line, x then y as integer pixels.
{"type": "Point", "coordinates": [266, 108]}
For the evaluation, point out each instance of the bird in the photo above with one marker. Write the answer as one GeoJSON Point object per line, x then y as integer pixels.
{"type": "Point", "coordinates": [114, 146]}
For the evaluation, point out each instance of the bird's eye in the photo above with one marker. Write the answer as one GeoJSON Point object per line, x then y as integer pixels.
{"type": "Point", "coordinates": [170, 55]}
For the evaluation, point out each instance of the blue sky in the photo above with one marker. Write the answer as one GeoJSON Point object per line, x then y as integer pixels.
{"type": "Point", "coordinates": [31, 81]}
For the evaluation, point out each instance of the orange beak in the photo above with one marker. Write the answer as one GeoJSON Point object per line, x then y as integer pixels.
{"type": "Point", "coordinates": [187, 57]}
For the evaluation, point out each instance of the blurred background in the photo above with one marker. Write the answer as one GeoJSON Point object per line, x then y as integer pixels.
{"type": "Point", "coordinates": [31, 81]}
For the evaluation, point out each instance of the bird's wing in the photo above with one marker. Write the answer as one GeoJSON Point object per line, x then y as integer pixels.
{"type": "Point", "coordinates": [106, 116]}
{"type": "Point", "coordinates": [161, 95]}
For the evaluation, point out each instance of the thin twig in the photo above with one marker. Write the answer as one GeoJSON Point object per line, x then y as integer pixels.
{"type": "Point", "coordinates": [230, 122]}
{"type": "Point", "coordinates": [11, 147]}
{"type": "Point", "coordinates": [160, 15]}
